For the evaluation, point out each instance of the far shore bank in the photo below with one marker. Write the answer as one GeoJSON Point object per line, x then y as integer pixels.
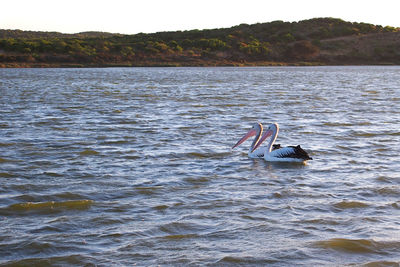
{"type": "Point", "coordinates": [177, 64]}
{"type": "Point", "coordinates": [313, 42]}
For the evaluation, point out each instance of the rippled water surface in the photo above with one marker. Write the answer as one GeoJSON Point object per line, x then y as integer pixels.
{"type": "Point", "coordinates": [129, 166]}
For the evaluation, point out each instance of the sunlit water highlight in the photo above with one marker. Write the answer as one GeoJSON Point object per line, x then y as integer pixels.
{"type": "Point", "coordinates": [129, 166]}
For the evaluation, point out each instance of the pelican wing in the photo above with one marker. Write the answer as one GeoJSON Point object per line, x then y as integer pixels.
{"type": "Point", "coordinates": [284, 152]}
{"type": "Point", "coordinates": [290, 152]}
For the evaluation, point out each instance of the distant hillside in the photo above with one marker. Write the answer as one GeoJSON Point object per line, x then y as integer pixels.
{"type": "Point", "coordinates": [308, 42]}
{"type": "Point", "coordinates": [18, 34]}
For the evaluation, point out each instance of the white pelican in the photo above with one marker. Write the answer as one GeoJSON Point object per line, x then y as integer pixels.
{"type": "Point", "coordinates": [284, 154]}
{"type": "Point", "coordinates": [256, 131]}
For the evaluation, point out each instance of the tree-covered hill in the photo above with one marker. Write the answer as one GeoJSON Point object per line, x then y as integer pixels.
{"type": "Point", "coordinates": [314, 41]}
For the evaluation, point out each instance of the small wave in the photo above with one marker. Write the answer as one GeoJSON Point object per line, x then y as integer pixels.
{"type": "Point", "coordinates": [396, 205]}
{"type": "Point", "coordinates": [6, 144]}
{"type": "Point", "coordinates": [202, 155]}
{"type": "Point", "coordinates": [126, 121]}
{"type": "Point", "coordinates": [231, 105]}
{"type": "Point", "coordinates": [53, 174]}
{"type": "Point", "coordinates": [387, 179]}
{"type": "Point", "coordinates": [148, 190]}
{"type": "Point", "coordinates": [368, 134]}
{"type": "Point", "coordinates": [60, 128]}
{"type": "Point", "coordinates": [134, 157]}
{"type": "Point", "coordinates": [68, 195]}
{"type": "Point", "coordinates": [49, 206]}
{"type": "Point", "coordinates": [182, 229]}
{"type": "Point", "coordinates": [197, 179]}
{"type": "Point", "coordinates": [161, 207]}
{"type": "Point", "coordinates": [322, 221]}
{"type": "Point", "coordinates": [246, 260]}
{"type": "Point", "coordinates": [89, 152]}
{"type": "Point", "coordinates": [3, 160]}
{"type": "Point", "coordinates": [196, 155]}
{"type": "Point", "coordinates": [70, 260]}
{"type": "Point", "coordinates": [350, 205]}
{"type": "Point", "coordinates": [359, 245]}
{"type": "Point", "coordinates": [337, 124]}
{"type": "Point", "coordinates": [115, 142]}
{"type": "Point", "coordinates": [387, 191]}
{"type": "Point", "coordinates": [6, 175]}
{"type": "Point", "coordinates": [180, 236]}
{"type": "Point", "coordinates": [394, 133]}
{"type": "Point", "coordinates": [381, 264]}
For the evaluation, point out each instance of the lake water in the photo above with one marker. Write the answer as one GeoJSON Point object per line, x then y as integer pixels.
{"type": "Point", "coordinates": [133, 166]}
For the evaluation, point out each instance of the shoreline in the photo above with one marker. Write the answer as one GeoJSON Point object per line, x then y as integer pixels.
{"type": "Point", "coordinates": [177, 64]}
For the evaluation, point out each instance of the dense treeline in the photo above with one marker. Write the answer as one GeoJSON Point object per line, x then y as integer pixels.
{"type": "Point", "coordinates": [321, 40]}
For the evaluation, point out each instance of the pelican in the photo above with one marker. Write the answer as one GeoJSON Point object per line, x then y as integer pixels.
{"type": "Point", "coordinates": [284, 154]}
{"type": "Point", "coordinates": [256, 131]}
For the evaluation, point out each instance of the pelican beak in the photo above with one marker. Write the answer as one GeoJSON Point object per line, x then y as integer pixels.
{"type": "Point", "coordinates": [262, 139]}
{"type": "Point", "coordinates": [244, 138]}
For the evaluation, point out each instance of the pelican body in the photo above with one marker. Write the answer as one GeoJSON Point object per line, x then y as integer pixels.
{"type": "Point", "coordinates": [284, 154]}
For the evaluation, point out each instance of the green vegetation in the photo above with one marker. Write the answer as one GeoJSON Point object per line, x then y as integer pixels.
{"type": "Point", "coordinates": [314, 41]}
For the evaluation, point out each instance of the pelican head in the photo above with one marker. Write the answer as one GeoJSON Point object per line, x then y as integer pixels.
{"type": "Point", "coordinates": [257, 128]}
{"type": "Point", "coordinates": [270, 130]}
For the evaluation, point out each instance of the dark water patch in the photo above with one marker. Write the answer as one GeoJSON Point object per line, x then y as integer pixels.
{"type": "Point", "coordinates": [392, 133]}
{"type": "Point", "coordinates": [149, 190]}
{"type": "Point", "coordinates": [332, 221]}
{"type": "Point", "coordinates": [6, 144]}
{"type": "Point", "coordinates": [116, 142]}
{"type": "Point", "coordinates": [360, 246]}
{"type": "Point", "coordinates": [61, 129]}
{"type": "Point", "coordinates": [89, 152]}
{"type": "Point", "coordinates": [198, 179]}
{"type": "Point", "coordinates": [7, 175]}
{"type": "Point", "coordinates": [378, 264]}
{"type": "Point", "coordinates": [5, 160]}
{"type": "Point", "coordinates": [396, 205]}
{"type": "Point", "coordinates": [53, 174]}
{"type": "Point", "coordinates": [47, 207]}
{"type": "Point", "coordinates": [47, 197]}
{"type": "Point", "coordinates": [387, 191]}
{"type": "Point", "coordinates": [161, 207]}
{"type": "Point", "coordinates": [296, 192]}
{"type": "Point", "coordinates": [253, 218]}
{"type": "Point", "coordinates": [365, 134]}
{"type": "Point", "coordinates": [351, 205]}
{"type": "Point", "coordinates": [127, 121]}
{"type": "Point", "coordinates": [45, 246]}
{"type": "Point", "coordinates": [245, 261]}
{"type": "Point", "coordinates": [69, 260]}
{"type": "Point", "coordinates": [179, 237]}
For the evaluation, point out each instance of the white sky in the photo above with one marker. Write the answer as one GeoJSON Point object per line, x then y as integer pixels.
{"type": "Point", "coordinates": [129, 17]}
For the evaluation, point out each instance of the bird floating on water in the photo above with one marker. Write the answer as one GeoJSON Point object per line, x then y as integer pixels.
{"type": "Point", "coordinates": [272, 152]}
{"type": "Point", "coordinates": [256, 130]}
